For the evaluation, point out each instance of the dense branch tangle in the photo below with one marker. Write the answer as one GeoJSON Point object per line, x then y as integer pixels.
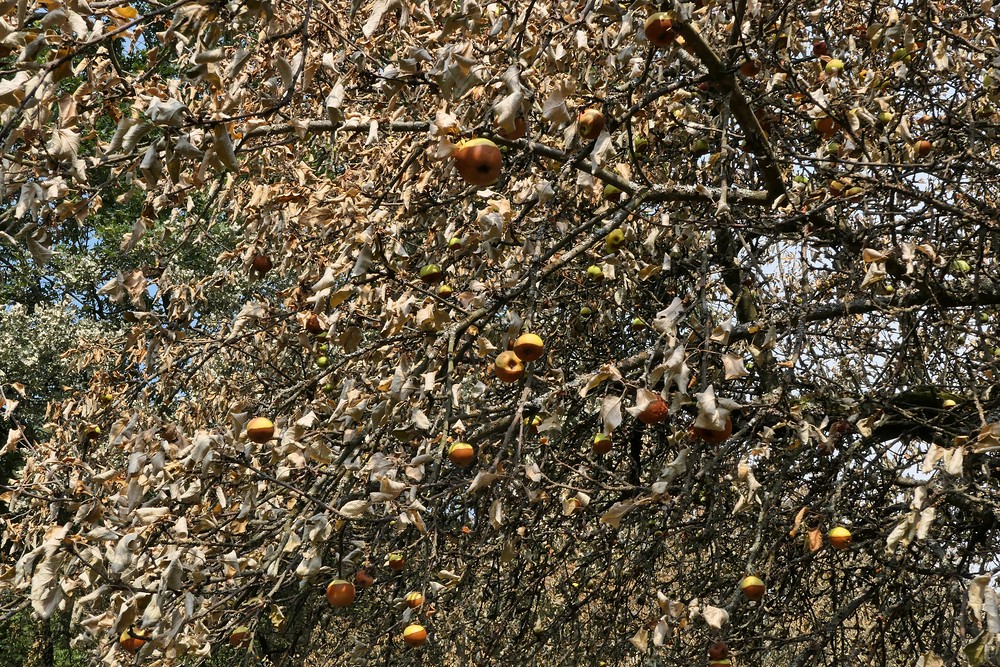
{"type": "Point", "coordinates": [788, 242]}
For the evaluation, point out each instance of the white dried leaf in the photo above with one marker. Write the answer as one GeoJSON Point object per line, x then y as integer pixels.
{"type": "Point", "coordinates": [611, 412]}
{"type": "Point", "coordinates": [481, 481]}
{"type": "Point", "coordinates": [640, 640]}
{"type": "Point", "coordinates": [354, 509]}
{"type": "Point", "coordinates": [733, 366]}
{"type": "Point", "coordinates": [613, 517]}
{"type": "Point", "coordinates": [716, 617]}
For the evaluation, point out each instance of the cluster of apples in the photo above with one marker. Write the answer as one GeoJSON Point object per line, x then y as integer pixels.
{"type": "Point", "coordinates": [509, 365]}
{"type": "Point", "coordinates": [341, 593]}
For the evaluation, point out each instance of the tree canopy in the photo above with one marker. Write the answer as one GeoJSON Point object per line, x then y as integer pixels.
{"type": "Point", "coordinates": [756, 242]}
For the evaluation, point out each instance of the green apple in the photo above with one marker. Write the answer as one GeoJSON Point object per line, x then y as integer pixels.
{"type": "Point", "coordinates": [454, 244]}
{"type": "Point", "coordinates": [612, 193]}
{"type": "Point", "coordinates": [431, 273]}
{"type": "Point", "coordinates": [901, 55]}
{"type": "Point", "coordinates": [640, 144]}
{"type": "Point", "coordinates": [586, 312]}
{"type": "Point", "coordinates": [445, 290]}
{"type": "Point", "coordinates": [594, 272]}
{"type": "Point", "coordinates": [614, 239]}
{"type": "Point", "coordinates": [960, 266]}
{"type": "Point", "coordinates": [834, 67]}
{"type": "Point", "coordinates": [638, 323]}
{"type": "Point", "coordinates": [322, 362]}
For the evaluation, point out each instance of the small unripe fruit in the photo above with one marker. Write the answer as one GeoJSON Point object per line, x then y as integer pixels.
{"type": "Point", "coordinates": [602, 443]}
{"type": "Point", "coordinates": [586, 312]}
{"type": "Point", "coordinates": [431, 273]}
{"type": "Point", "coordinates": [445, 290]}
{"type": "Point", "coordinates": [614, 239]}
{"type": "Point", "coordinates": [612, 193]}
{"type": "Point", "coordinates": [396, 562]}
{"type": "Point", "coordinates": [322, 362]}
{"type": "Point", "coordinates": [901, 55]}
{"type": "Point", "coordinates": [960, 266]}
{"type": "Point", "coordinates": [834, 67]}
{"type": "Point", "coordinates": [640, 144]}
{"type": "Point", "coordinates": [594, 272]}
{"type": "Point", "coordinates": [454, 244]}
{"type": "Point", "coordinates": [700, 147]}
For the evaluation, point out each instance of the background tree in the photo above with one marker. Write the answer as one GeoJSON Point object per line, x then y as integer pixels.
{"type": "Point", "coordinates": [758, 240]}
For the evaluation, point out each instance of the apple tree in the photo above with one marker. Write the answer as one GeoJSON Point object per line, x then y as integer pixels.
{"type": "Point", "coordinates": [755, 243]}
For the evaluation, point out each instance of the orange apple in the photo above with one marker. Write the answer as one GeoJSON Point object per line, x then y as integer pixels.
{"type": "Point", "coordinates": [261, 264]}
{"type": "Point", "coordinates": [825, 126]}
{"type": "Point", "coordinates": [602, 443]}
{"type": "Point", "coordinates": [396, 562]}
{"type": "Point", "coordinates": [718, 651]}
{"type": "Point", "coordinates": [132, 640]}
{"type": "Point", "coordinates": [655, 412]}
{"type": "Point", "coordinates": [529, 347]}
{"type": "Point", "coordinates": [414, 599]}
{"type": "Point", "coordinates": [239, 636]}
{"type": "Point", "coordinates": [461, 454]}
{"type": "Point", "coordinates": [508, 367]}
{"type": "Point", "coordinates": [260, 430]}
{"type": "Point", "coordinates": [712, 436]}
{"type": "Point", "coordinates": [659, 29]}
{"type": "Point", "coordinates": [340, 593]}
{"type": "Point", "coordinates": [479, 161]}
{"type": "Point", "coordinates": [840, 537]}
{"type": "Point", "coordinates": [752, 587]}
{"type": "Point", "coordinates": [520, 129]}
{"type": "Point", "coordinates": [414, 635]}
{"type": "Point", "coordinates": [923, 148]}
{"type": "Point", "coordinates": [313, 325]}
{"type": "Point", "coordinates": [590, 123]}
{"type": "Point", "coordinates": [751, 68]}
{"type": "Point", "coordinates": [363, 579]}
